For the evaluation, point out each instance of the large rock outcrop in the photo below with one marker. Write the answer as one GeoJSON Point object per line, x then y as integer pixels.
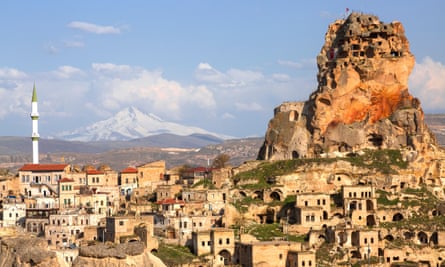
{"type": "Point", "coordinates": [362, 99]}
{"type": "Point", "coordinates": [109, 255]}
{"type": "Point", "coordinates": [25, 251]}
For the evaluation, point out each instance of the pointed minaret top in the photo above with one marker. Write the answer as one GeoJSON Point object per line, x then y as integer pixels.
{"type": "Point", "coordinates": [34, 94]}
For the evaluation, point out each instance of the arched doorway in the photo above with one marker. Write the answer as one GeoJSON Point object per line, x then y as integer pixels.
{"type": "Point", "coordinates": [397, 217]}
{"type": "Point", "coordinates": [434, 238]}
{"type": "Point", "coordinates": [422, 237]}
{"type": "Point", "coordinates": [275, 196]}
{"type": "Point", "coordinates": [270, 216]}
{"type": "Point", "coordinates": [370, 220]}
{"type": "Point", "coordinates": [226, 255]}
{"type": "Point", "coordinates": [369, 205]}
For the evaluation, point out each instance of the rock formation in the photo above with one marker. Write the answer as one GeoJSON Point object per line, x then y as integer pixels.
{"type": "Point", "coordinates": [362, 100]}
{"type": "Point", "coordinates": [24, 251]}
{"type": "Point", "coordinates": [108, 255]}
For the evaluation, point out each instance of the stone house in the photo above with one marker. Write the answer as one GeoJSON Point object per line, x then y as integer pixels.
{"type": "Point", "coordinates": [93, 202]}
{"type": "Point", "coordinates": [14, 212]}
{"type": "Point", "coordinates": [32, 175]}
{"type": "Point", "coordinates": [360, 204]}
{"type": "Point", "coordinates": [67, 193]}
{"type": "Point", "coordinates": [221, 177]}
{"type": "Point", "coordinates": [194, 195]}
{"type": "Point", "coordinates": [170, 206]}
{"type": "Point", "coordinates": [193, 175]}
{"type": "Point", "coordinates": [37, 219]}
{"type": "Point", "coordinates": [301, 259]}
{"type": "Point", "coordinates": [128, 180]}
{"type": "Point", "coordinates": [321, 200]}
{"type": "Point", "coordinates": [151, 174]}
{"type": "Point", "coordinates": [365, 244]}
{"type": "Point", "coordinates": [167, 191]}
{"type": "Point", "coordinates": [309, 217]}
{"type": "Point", "coordinates": [101, 178]}
{"type": "Point", "coordinates": [264, 253]}
{"type": "Point", "coordinates": [121, 229]}
{"type": "Point", "coordinates": [9, 185]}
{"type": "Point", "coordinates": [68, 228]}
{"type": "Point", "coordinates": [212, 200]}
{"type": "Point", "coordinates": [218, 242]}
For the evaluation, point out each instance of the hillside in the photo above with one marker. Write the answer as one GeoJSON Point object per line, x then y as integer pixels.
{"type": "Point", "coordinates": [15, 151]}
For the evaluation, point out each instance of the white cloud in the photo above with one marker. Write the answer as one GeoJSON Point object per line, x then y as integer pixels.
{"type": "Point", "coordinates": [227, 115]}
{"type": "Point", "coordinates": [66, 72]}
{"type": "Point", "coordinates": [206, 73]}
{"type": "Point", "coordinates": [74, 44]}
{"type": "Point", "coordinates": [150, 90]}
{"type": "Point", "coordinates": [291, 64]}
{"type": "Point", "coordinates": [305, 63]}
{"type": "Point", "coordinates": [110, 67]}
{"type": "Point", "coordinates": [244, 76]}
{"type": "Point", "coordinates": [232, 78]}
{"type": "Point", "coordinates": [93, 28]}
{"type": "Point", "coordinates": [70, 97]}
{"type": "Point", "coordinates": [11, 73]}
{"type": "Point", "coordinates": [248, 106]}
{"type": "Point", "coordinates": [427, 83]}
{"type": "Point", "coordinates": [280, 77]}
{"type": "Point", "coordinates": [51, 48]}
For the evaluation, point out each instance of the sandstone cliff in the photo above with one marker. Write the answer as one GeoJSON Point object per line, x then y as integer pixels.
{"type": "Point", "coordinates": [362, 100]}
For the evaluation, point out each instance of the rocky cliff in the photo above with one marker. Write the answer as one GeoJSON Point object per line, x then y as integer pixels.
{"type": "Point", "coordinates": [362, 100]}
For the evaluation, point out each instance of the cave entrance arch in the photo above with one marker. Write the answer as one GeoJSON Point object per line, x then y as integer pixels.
{"type": "Point", "coordinates": [227, 258]}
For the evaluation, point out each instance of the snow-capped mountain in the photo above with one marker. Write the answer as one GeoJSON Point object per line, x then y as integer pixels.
{"type": "Point", "coordinates": [131, 123]}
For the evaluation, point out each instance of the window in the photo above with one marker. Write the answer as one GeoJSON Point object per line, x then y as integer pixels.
{"type": "Point", "coordinates": [324, 201]}
{"type": "Point", "coordinates": [203, 243]}
{"type": "Point", "coordinates": [121, 223]}
{"type": "Point", "coordinates": [318, 202]}
{"type": "Point", "coordinates": [220, 241]}
{"type": "Point", "coordinates": [227, 240]}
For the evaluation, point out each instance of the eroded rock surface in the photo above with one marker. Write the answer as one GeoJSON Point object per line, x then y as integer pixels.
{"type": "Point", "coordinates": [24, 251]}
{"type": "Point", "coordinates": [362, 99]}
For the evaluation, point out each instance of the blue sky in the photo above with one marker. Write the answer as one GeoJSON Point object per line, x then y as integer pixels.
{"type": "Point", "coordinates": [219, 65]}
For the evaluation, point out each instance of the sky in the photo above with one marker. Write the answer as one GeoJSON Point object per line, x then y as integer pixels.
{"type": "Point", "coordinates": [219, 65]}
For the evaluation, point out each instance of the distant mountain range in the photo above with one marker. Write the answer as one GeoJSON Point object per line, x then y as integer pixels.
{"type": "Point", "coordinates": [131, 123]}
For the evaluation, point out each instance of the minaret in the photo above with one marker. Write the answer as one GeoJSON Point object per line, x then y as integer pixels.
{"type": "Point", "coordinates": [35, 127]}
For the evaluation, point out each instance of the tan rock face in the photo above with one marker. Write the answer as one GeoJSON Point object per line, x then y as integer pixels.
{"type": "Point", "coordinates": [363, 72]}
{"type": "Point", "coordinates": [362, 98]}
